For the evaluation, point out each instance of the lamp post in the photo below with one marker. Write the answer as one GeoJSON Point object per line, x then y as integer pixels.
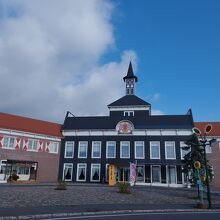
{"type": "Point", "coordinates": [203, 142]}
{"type": "Point", "coordinates": [197, 166]}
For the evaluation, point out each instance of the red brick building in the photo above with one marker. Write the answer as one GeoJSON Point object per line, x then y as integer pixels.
{"type": "Point", "coordinates": [29, 148]}
{"type": "Point", "coordinates": [213, 152]}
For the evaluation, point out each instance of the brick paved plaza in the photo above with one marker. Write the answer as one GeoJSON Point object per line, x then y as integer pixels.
{"type": "Point", "coordinates": [45, 195]}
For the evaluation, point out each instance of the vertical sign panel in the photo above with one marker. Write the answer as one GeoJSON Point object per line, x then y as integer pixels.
{"type": "Point", "coordinates": [112, 180]}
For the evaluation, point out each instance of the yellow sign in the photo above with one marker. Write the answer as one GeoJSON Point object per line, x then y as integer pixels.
{"type": "Point", "coordinates": [197, 165]}
{"type": "Point", "coordinates": [203, 178]}
{"type": "Point", "coordinates": [112, 179]}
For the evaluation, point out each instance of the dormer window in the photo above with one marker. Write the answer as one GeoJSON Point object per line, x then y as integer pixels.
{"type": "Point", "coordinates": [128, 113]}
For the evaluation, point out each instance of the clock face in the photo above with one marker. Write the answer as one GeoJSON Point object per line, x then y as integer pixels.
{"type": "Point", "coordinates": [124, 127]}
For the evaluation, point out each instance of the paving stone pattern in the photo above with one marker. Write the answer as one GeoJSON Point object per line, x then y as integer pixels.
{"type": "Point", "coordinates": [38, 196]}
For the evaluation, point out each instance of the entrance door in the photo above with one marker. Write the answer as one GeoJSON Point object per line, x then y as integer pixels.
{"type": "Point", "coordinates": [123, 174]}
{"type": "Point", "coordinates": [156, 174]}
{"type": "Point", "coordinates": [140, 174]}
{"type": "Point", "coordinates": [2, 170]}
{"type": "Point", "coordinates": [171, 174]}
{"type": "Point", "coordinates": [5, 170]}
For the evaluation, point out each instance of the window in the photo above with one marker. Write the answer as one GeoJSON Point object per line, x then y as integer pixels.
{"type": "Point", "coordinates": [185, 177]}
{"type": "Point", "coordinates": [95, 172]}
{"type": "Point", "coordinates": [183, 151]}
{"type": "Point", "coordinates": [139, 149]}
{"type": "Point", "coordinates": [156, 174]}
{"type": "Point", "coordinates": [128, 113]}
{"type": "Point", "coordinates": [96, 149]}
{"type": "Point", "coordinates": [208, 149]}
{"type": "Point", "coordinates": [107, 173]}
{"type": "Point", "coordinates": [154, 150]}
{"type": "Point", "coordinates": [9, 142]}
{"type": "Point", "coordinates": [125, 149]}
{"type": "Point", "coordinates": [81, 172]}
{"type": "Point", "coordinates": [170, 151]}
{"type": "Point", "coordinates": [67, 171]}
{"type": "Point", "coordinates": [140, 175]}
{"type": "Point", "coordinates": [53, 147]}
{"type": "Point", "coordinates": [32, 145]}
{"type": "Point", "coordinates": [3, 167]}
{"type": "Point", "coordinates": [82, 153]}
{"type": "Point", "coordinates": [111, 149]}
{"type": "Point", "coordinates": [23, 170]}
{"type": "Point", "coordinates": [69, 149]}
{"type": "Point", "coordinates": [171, 175]}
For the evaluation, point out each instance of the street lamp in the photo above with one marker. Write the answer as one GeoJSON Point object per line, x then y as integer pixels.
{"type": "Point", "coordinates": [203, 142]}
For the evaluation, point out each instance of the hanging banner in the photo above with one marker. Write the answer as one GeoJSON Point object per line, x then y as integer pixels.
{"type": "Point", "coordinates": [112, 179]}
{"type": "Point", "coordinates": [132, 173]}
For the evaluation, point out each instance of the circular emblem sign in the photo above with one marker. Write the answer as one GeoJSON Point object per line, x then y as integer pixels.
{"type": "Point", "coordinates": [208, 128]}
{"type": "Point", "coordinates": [196, 131]}
{"type": "Point", "coordinates": [197, 164]}
{"type": "Point", "coordinates": [124, 127]}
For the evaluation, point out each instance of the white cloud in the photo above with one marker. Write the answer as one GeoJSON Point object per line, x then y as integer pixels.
{"type": "Point", "coordinates": [157, 112]}
{"type": "Point", "coordinates": [155, 97]}
{"type": "Point", "coordinates": [49, 58]}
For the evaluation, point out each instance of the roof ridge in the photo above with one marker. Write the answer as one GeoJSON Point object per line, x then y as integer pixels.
{"type": "Point", "coordinates": [129, 100]}
{"type": "Point", "coordinates": [25, 124]}
{"type": "Point", "coordinates": [29, 118]}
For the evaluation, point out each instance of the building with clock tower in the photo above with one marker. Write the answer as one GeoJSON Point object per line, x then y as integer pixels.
{"type": "Point", "coordinates": [130, 134]}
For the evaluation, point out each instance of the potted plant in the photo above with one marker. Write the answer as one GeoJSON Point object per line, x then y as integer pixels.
{"type": "Point", "coordinates": [13, 177]}
{"type": "Point", "coordinates": [123, 187]}
{"type": "Point", "coordinates": [61, 185]}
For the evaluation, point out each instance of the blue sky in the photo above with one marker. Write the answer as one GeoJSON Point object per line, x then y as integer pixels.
{"type": "Point", "coordinates": [178, 48]}
{"type": "Point", "coordinates": [52, 62]}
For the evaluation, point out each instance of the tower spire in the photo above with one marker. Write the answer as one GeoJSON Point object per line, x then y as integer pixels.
{"type": "Point", "coordinates": [130, 79]}
{"type": "Point", "coordinates": [130, 73]}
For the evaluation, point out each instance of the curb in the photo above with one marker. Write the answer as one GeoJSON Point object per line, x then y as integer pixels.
{"type": "Point", "coordinates": [78, 214]}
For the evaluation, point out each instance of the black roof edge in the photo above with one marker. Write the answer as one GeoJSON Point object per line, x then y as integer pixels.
{"type": "Point", "coordinates": [189, 112]}
{"type": "Point", "coordinates": [107, 116]}
{"type": "Point", "coordinates": [66, 116]}
{"type": "Point", "coordinates": [126, 105]}
{"type": "Point", "coordinates": [130, 77]}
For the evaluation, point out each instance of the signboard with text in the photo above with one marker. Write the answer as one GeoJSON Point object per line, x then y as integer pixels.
{"type": "Point", "coordinates": [112, 179]}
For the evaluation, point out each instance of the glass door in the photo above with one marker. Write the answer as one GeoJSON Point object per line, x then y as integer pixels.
{"type": "Point", "coordinates": [123, 174]}
{"type": "Point", "coordinates": [156, 174]}
{"type": "Point", "coordinates": [171, 174]}
{"type": "Point", "coordinates": [2, 170]}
